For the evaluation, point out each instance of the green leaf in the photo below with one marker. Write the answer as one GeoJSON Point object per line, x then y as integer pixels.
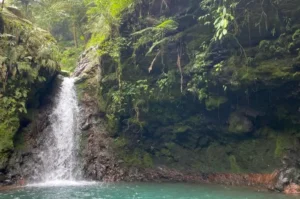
{"type": "Point", "coordinates": [224, 23]}
{"type": "Point", "coordinates": [224, 11]}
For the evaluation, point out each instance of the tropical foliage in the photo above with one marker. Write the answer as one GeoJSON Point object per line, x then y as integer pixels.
{"type": "Point", "coordinates": [28, 58]}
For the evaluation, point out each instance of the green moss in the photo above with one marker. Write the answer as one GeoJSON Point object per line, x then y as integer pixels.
{"type": "Point", "coordinates": [86, 85]}
{"type": "Point", "coordinates": [214, 102]}
{"type": "Point", "coordinates": [112, 123]}
{"type": "Point", "coordinates": [266, 132]}
{"type": "Point", "coordinates": [120, 142]}
{"type": "Point", "coordinates": [3, 159]}
{"type": "Point", "coordinates": [147, 160]}
{"type": "Point", "coordinates": [8, 129]}
{"type": "Point", "coordinates": [80, 88]}
{"type": "Point", "coordinates": [215, 158]}
{"type": "Point", "coordinates": [255, 155]}
{"type": "Point", "coordinates": [283, 144]}
{"type": "Point", "coordinates": [165, 152]}
{"type": "Point", "coordinates": [233, 164]}
{"type": "Point", "coordinates": [65, 73]}
{"type": "Point", "coordinates": [269, 72]}
{"type": "Point", "coordinates": [170, 145]}
{"type": "Point", "coordinates": [239, 124]}
{"type": "Point", "coordinates": [133, 159]}
{"type": "Point", "coordinates": [19, 140]}
{"type": "Point", "coordinates": [137, 158]}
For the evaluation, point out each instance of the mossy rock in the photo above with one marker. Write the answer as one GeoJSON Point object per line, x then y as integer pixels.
{"type": "Point", "coordinates": [266, 132]}
{"type": "Point", "coordinates": [214, 102]}
{"type": "Point", "coordinates": [64, 73]}
{"type": "Point", "coordinates": [284, 143]}
{"type": "Point", "coordinates": [239, 124]}
{"type": "Point", "coordinates": [137, 158]}
{"type": "Point", "coordinates": [15, 11]}
{"type": "Point", "coordinates": [215, 159]}
{"type": "Point", "coordinates": [269, 73]}
{"type": "Point", "coordinates": [147, 160]}
{"type": "Point", "coordinates": [120, 142]}
{"type": "Point", "coordinates": [3, 160]}
{"type": "Point", "coordinates": [233, 164]}
{"type": "Point", "coordinates": [256, 155]}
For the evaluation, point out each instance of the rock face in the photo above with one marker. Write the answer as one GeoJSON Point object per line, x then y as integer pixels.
{"type": "Point", "coordinates": [288, 179]}
{"type": "Point", "coordinates": [169, 102]}
{"type": "Point", "coordinates": [26, 162]}
{"type": "Point", "coordinates": [98, 159]}
{"type": "Point", "coordinates": [239, 124]}
{"type": "Point", "coordinates": [171, 98]}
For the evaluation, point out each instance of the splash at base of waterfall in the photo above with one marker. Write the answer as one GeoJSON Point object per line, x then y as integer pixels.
{"type": "Point", "coordinates": [64, 183]}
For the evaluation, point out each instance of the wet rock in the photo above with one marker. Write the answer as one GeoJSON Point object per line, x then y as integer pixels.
{"type": "Point", "coordinates": [292, 189]}
{"type": "Point", "coordinates": [2, 178]}
{"type": "Point", "coordinates": [286, 177]}
{"type": "Point", "coordinates": [96, 154]}
{"type": "Point", "coordinates": [25, 160]}
{"type": "Point", "coordinates": [289, 175]}
{"type": "Point", "coordinates": [86, 126]}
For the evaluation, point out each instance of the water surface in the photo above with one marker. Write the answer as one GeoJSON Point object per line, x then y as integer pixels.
{"type": "Point", "coordinates": [140, 191]}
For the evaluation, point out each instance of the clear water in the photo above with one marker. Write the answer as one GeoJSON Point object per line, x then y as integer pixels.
{"type": "Point", "coordinates": [140, 191]}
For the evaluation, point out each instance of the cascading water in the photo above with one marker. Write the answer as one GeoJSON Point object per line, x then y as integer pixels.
{"type": "Point", "coordinates": [59, 149]}
{"type": "Point", "coordinates": [59, 155]}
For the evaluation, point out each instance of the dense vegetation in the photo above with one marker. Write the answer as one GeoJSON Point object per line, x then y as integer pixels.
{"type": "Point", "coordinates": [201, 80]}
{"type": "Point", "coordinates": [208, 85]}
{"type": "Point", "coordinates": [28, 62]}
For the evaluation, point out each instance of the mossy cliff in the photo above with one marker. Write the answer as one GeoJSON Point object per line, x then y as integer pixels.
{"type": "Point", "coordinates": [173, 95]}
{"type": "Point", "coordinates": [27, 66]}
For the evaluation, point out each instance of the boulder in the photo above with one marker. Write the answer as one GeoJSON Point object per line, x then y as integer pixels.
{"type": "Point", "coordinates": [289, 176]}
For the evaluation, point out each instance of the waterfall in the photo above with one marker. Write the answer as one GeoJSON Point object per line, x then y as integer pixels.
{"type": "Point", "coordinates": [59, 154]}
{"type": "Point", "coordinates": [60, 145]}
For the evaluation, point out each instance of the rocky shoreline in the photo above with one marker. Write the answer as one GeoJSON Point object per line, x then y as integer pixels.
{"type": "Point", "coordinates": [262, 182]}
{"type": "Point", "coordinates": [272, 182]}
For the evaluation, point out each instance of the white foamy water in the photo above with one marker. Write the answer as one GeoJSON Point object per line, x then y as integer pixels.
{"type": "Point", "coordinates": [63, 183]}
{"type": "Point", "coordinates": [59, 154]}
